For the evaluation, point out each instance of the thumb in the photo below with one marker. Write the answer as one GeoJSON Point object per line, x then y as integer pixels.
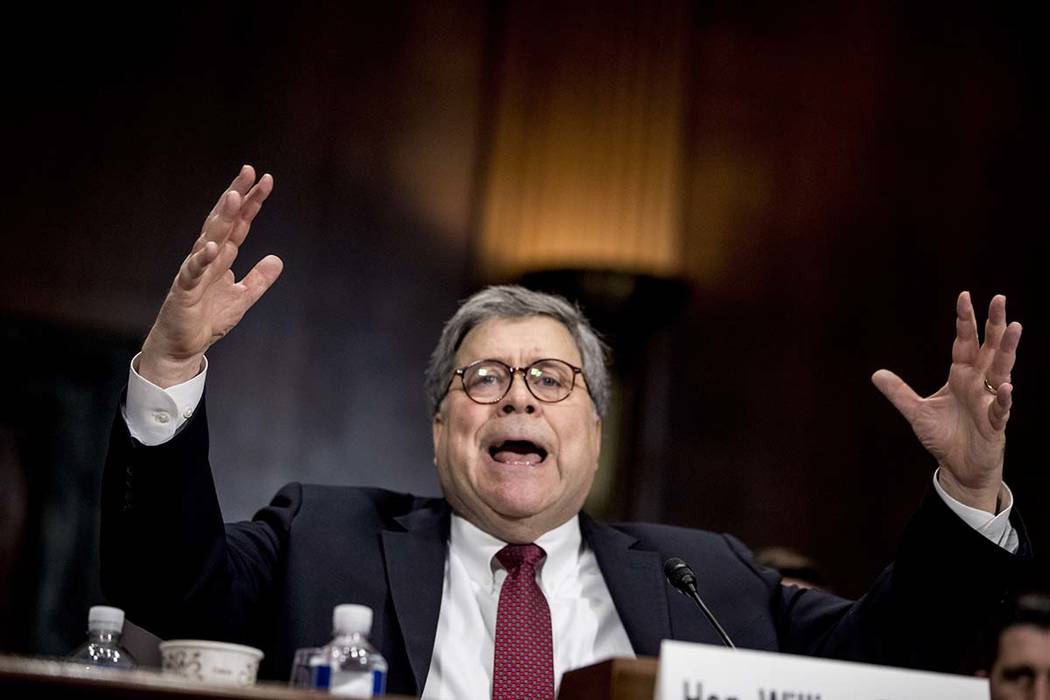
{"type": "Point", "coordinates": [902, 396]}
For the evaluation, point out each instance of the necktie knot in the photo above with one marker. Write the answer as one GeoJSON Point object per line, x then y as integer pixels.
{"type": "Point", "coordinates": [515, 556]}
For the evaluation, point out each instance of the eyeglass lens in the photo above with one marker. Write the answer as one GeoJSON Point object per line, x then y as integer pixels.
{"type": "Point", "coordinates": [548, 380]}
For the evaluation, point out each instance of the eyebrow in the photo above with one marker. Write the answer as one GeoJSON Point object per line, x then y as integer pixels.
{"type": "Point", "coordinates": [1018, 670]}
{"type": "Point", "coordinates": [530, 360]}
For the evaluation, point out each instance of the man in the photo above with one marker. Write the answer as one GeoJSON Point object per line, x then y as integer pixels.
{"type": "Point", "coordinates": [1020, 669]}
{"type": "Point", "coordinates": [503, 585]}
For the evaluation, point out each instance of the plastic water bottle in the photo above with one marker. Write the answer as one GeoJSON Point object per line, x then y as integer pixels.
{"type": "Point", "coordinates": [102, 648]}
{"type": "Point", "coordinates": [356, 668]}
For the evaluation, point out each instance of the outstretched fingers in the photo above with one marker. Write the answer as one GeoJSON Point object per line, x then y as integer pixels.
{"type": "Point", "coordinates": [965, 348]}
{"type": "Point", "coordinates": [250, 208]}
{"type": "Point", "coordinates": [256, 196]}
{"type": "Point", "coordinates": [1005, 356]}
{"type": "Point", "coordinates": [220, 223]}
{"type": "Point", "coordinates": [213, 254]}
{"type": "Point", "coordinates": [240, 184]}
{"type": "Point", "coordinates": [994, 329]}
{"type": "Point", "coordinates": [902, 396]}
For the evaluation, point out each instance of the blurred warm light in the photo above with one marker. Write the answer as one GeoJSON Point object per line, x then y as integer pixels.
{"type": "Point", "coordinates": [584, 166]}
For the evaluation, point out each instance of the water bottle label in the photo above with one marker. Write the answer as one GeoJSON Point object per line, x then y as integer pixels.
{"type": "Point", "coordinates": [320, 677]}
{"type": "Point", "coordinates": [378, 682]}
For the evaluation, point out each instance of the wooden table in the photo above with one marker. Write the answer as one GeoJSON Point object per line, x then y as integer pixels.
{"type": "Point", "coordinates": [29, 677]}
{"type": "Point", "coordinates": [617, 679]}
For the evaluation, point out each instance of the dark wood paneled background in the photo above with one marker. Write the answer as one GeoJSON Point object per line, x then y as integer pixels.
{"type": "Point", "coordinates": [851, 168]}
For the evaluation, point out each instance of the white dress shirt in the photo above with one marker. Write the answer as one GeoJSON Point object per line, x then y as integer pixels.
{"type": "Point", "coordinates": [586, 626]}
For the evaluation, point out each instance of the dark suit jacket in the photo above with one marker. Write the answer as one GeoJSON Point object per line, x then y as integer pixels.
{"type": "Point", "coordinates": [168, 559]}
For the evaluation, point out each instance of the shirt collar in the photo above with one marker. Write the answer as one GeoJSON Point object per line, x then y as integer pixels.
{"type": "Point", "coordinates": [477, 550]}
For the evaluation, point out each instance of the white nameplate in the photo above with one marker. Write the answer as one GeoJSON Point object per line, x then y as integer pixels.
{"type": "Point", "coordinates": [703, 672]}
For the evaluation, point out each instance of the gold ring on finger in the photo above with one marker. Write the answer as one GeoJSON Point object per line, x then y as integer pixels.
{"type": "Point", "coordinates": [991, 389]}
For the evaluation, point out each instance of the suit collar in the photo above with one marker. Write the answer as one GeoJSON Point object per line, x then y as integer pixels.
{"type": "Point", "coordinates": [415, 550]}
{"type": "Point", "coordinates": [635, 580]}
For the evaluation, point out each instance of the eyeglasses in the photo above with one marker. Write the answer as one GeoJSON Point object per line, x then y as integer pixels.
{"type": "Point", "coordinates": [488, 381]}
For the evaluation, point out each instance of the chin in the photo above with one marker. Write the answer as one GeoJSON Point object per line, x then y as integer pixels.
{"type": "Point", "coordinates": [517, 506]}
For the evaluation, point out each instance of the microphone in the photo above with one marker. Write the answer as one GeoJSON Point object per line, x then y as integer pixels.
{"type": "Point", "coordinates": [681, 576]}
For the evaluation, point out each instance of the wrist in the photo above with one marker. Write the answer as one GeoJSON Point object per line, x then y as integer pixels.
{"type": "Point", "coordinates": [165, 371]}
{"type": "Point", "coordinates": [987, 496]}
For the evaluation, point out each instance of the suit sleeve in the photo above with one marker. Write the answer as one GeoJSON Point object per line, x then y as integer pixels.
{"type": "Point", "coordinates": [166, 556]}
{"type": "Point", "coordinates": [927, 610]}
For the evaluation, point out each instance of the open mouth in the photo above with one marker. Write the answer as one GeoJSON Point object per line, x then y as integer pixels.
{"type": "Point", "coordinates": [517, 452]}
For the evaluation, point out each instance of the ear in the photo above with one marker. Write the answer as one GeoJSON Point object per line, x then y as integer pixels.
{"type": "Point", "coordinates": [597, 438]}
{"type": "Point", "coordinates": [437, 429]}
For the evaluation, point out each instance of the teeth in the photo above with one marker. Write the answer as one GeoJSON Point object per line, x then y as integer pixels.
{"type": "Point", "coordinates": [517, 447]}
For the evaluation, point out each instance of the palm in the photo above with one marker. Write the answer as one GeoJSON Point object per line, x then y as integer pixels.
{"type": "Point", "coordinates": [952, 431]}
{"type": "Point", "coordinates": [963, 424]}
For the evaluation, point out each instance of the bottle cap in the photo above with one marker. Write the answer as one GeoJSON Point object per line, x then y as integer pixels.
{"type": "Point", "coordinates": [105, 619]}
{"type": "Point", "coordinates": [352, 619]}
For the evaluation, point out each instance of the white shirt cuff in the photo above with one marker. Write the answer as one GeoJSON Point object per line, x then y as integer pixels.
{"type": "Point", "coordinates": [996, 528]}
{"type": "Point", "coordinates": [153, 415]}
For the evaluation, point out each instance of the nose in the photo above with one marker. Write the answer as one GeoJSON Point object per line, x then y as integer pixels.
{"type": "Point", "coordinates": [518, 398]}
{"type": "Point", "coordinates": [1042, 686]}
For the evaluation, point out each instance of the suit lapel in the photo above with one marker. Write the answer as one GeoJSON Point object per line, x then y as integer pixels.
{"type": "Point", "coordinates": [636, 582]}
{"type": "Point", "coordinates": [415, 561]}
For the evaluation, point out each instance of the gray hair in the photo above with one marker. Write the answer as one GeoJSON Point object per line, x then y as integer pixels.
{"type": "Point", "coordinates": [511, 302]}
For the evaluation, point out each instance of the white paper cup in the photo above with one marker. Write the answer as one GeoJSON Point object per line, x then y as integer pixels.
{"type": "Point", "coordinates": [210, 662]}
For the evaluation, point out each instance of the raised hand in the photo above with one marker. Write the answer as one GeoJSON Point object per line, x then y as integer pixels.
{"type": "Point", "coordinates": [205, 301]}
{"type": "Point", "coordinates": [963, 424]}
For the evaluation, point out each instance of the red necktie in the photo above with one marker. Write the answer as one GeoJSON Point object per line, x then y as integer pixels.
{"type": "Point", "coordinates": [523, 666]}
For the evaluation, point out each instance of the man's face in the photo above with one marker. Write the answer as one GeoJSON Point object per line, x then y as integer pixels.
{"type": "Point", "coordinates": [519, 467]}
{"type": "Point", "coordinates": [1022, 669]}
